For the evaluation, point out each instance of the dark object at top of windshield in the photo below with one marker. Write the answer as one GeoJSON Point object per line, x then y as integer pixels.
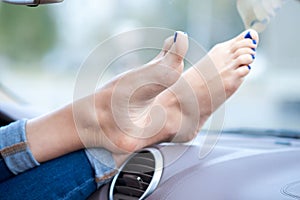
{"type": "Point", "coordinates": [32, 3]}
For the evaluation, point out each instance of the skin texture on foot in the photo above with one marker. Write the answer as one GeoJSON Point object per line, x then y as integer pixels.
{"type": "Point", "coordinates": [102, 119]}
{"type": "Point", "coordinates": [211, 81]}
{"type": "Point", "coordinates": [125, 105]}
{"type": "Point", "coordinates": [203, 88]}
{"type": "Point", "coordinates": [152, 104]}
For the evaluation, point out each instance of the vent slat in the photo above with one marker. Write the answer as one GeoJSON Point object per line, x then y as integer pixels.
{"type": "Point", "coordinates": [139, 168]}
{"type": "Point", "coordinates": [129, 177]}
{"type": "Point", "coordinates": [134, 192]}
{"type": "Point", "coordinates": [143, 161]}
{"type": "Point", "coordinates": [145, 155]}
{"type": "Point", "coordinates": [133, 181]}
{"type": "Point", "coordinates": [145, 177]}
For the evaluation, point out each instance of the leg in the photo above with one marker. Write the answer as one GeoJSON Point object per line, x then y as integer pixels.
{"type": "Point", "coordinates": [102, 119]}
{"type": "Point", "coordinates": [67, 177]}
{"type": "Point", "coordinates": [5, 172]}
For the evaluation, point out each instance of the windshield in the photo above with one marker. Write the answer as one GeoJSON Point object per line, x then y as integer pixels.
{"type": "Point", "coordinates": [42, 49]}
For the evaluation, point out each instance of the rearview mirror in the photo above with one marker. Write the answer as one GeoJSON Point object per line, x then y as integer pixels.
{"type": "Point", "coordinates": [31, 2]}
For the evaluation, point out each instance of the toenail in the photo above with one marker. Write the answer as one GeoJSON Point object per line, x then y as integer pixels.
{"type": "Point", "coordinates": [254, 41]}
{"type": "Point", "coordinates": [253, 49]}
{"type": "Point", "coordinates": [248, 35]}
{"type": "Point", "coordinates": [175, 37]}
{"type": "Point", "coordinates": [249, 67]}
{"type": "Point", "coordinates": [253, 57]}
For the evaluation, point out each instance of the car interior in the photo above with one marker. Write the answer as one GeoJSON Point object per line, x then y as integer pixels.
{"type": "Point", "coordinates": [252, 152]}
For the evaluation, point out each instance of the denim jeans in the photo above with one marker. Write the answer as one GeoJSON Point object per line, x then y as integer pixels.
{"type": "Point", "coordinates": [67, 177]}
{"type": "Point", "coordinates": [14, 148]}
{"type": "Point", "coordinates": [73, 176]}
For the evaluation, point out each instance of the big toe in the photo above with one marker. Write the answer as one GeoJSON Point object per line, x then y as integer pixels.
{"type": "Point", "coordinates": [249, 34]}
{"type": "Point", "coordinates": [173, 58]}
{"type": "Point", "coordinates": [168, 68]}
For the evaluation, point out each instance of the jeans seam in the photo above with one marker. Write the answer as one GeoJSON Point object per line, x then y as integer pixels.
{"type": "Point", "coordinates": [106, 176]}
{"type": "Point", "coordinates": [13, 149]}
{"type": "Point", "coordinates": [77, 188]}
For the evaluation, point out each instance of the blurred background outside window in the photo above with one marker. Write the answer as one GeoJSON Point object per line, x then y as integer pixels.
{"type": "Point", "coordinates": [42, 49]}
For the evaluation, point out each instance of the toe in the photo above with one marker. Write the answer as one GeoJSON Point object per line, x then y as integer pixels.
{"type": "Point", "coordinates": [245, 59]}
{"type": "Point", "coordinates": [253, 35]}
{"type": "Point", "coordinates": [245, 43]}
{"type": "Point", "coordinates": [166, 47]}
{"type": "Point", "coordinates": [248, 38]}
{"type": "Point", "coordinates": [160, 73]}
{"type": "Point", "coordinates": [243, 70]}
{"type": "Point", "coordinates": [174, 57]}
{"type": "Point", "coordinates": [242, 51]}
{"type": "Point", "coordinates": [248, 34]}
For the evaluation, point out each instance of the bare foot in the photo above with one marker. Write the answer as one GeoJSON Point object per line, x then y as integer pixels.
{"type": "Point", "coordinates": [207, 85]}
{"type": "Point", "coordinates": [135, 110]}
{"type": "Point", "coordinates": [145, 114]}
{"type": "Point", "coordinates": [118, 116]}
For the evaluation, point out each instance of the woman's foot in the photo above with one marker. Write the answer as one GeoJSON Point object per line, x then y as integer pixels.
{"type": "Point", "coordinates": [188, 103]}
{"type": "Point", "coordinates": [177, 114]}
{"type": "Point", "coordinates": [135, 110]}
{"type": "Point", "coordinates": [119, 114]}
{"type": "Point", "coordinates": [114, 117]}
{"type": "Point", "coordinates": [207, 85]}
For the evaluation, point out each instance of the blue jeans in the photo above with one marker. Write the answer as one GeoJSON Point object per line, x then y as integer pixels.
{"type": "Point", "coordinates": [73, 176]}
{"type": "Point", "coordinates": [67, 177]}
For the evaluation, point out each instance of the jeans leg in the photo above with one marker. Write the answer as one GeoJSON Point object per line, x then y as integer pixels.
{"type": "Point", "coordinates": [5, 173]}
{"type": "Point", "coordinates": [14, 147]}
{"type": "Point", "coordinates": [67, 177]}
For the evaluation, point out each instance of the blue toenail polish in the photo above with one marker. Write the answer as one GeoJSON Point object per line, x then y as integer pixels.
{"type": "Point", "coordinates": [249, 67]}
{"type": "Point", "coordinates": [254, 41]}
{"type": "Point", "coordinates": [248, 35]}
{"type": "Point", "coordinates": [253, 57]}
{"type": "Point", "coordinates": [175, 37]}
{"type": "Point", "coordinates": [253, 49]}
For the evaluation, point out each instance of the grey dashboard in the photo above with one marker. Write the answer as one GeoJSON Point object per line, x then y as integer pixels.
{"type": "Point", "coordinates": [239, 167]}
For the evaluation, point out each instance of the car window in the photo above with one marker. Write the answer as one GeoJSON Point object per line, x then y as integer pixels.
{"type": "Point", "coordinates": [42, 49]}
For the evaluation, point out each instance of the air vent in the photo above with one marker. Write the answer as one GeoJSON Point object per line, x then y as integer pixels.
{"type": "Point", "coordinates": [138, 177]}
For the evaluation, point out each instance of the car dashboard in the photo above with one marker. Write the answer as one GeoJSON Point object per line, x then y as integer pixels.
{"type": "Point", "coordinates": [238, 167]}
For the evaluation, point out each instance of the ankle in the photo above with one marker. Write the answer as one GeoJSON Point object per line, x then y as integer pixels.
{"type": "Point", "coordinates": [171, 104]}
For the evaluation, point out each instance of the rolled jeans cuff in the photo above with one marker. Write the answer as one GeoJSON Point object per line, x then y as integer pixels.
{"type": "Point", "coordinates": [14, 148]}
{"type": "Point", "coordinates": [103, 163]}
